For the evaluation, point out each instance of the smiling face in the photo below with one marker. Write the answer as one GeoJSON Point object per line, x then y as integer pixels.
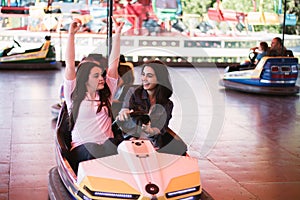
{"type": "Point", "coordinates": [149, 79]}
{"type": "Point", "coordinates": [96, 81]}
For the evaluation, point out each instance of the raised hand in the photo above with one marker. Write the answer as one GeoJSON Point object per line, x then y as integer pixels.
{"type": "Point", "coordinates": [75, 26]}
{"type": "Point", "coordinates": [118, 25]}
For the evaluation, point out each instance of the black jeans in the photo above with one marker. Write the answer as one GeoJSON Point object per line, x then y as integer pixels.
{"type": "Point", "coordinates": [90, 151]}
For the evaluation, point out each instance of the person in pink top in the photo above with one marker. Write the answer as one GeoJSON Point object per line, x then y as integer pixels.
{"type": "Point", "coordinates": [88, 93]}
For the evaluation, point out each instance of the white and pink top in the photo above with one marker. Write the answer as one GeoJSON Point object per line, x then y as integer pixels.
{"type": "Point", "coordinates": [90, 126]}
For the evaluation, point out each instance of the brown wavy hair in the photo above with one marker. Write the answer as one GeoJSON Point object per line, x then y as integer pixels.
{"type": "Point", "coordinates": [79, 93]}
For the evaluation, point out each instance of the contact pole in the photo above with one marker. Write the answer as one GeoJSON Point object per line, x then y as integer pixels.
{"type": "Point", "coordinates": [109, 26]}
{"type": "Point", "coordinates": [283, 26]}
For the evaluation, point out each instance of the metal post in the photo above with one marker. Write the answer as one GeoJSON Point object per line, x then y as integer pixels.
{"type": "Point", "coordinates": [109, 26]}
{"type": "Point", "coordinates": [283, 27]}
{"type": "Point", "coordinates": [60, 45]}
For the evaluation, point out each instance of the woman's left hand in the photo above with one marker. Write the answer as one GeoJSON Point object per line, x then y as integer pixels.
{"type": "Point", "coordinates": [75, 26]}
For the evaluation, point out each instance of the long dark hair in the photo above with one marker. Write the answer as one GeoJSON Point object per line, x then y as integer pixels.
{"type": "Point", "coordinates": [79, 93]}
{"type": "Point", "coordinates": [164, 89]}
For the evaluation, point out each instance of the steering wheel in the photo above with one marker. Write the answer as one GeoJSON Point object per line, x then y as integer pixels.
{"type": "Point", "coordinates": [140, 117]}
{"type": "Point", "coordinates": [17, 43]}
{"type": "Point", "coordinates": [252, 56]}
{"type": "Point", "coordinates": [133, 126]}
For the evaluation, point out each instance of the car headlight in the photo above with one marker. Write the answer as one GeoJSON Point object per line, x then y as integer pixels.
{"type": "Point", "coordinates": [111, 194]}
{"type": "Point", "coordinates": [182, 192]}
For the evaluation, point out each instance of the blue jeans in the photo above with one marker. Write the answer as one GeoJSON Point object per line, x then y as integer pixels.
{"type": "Point", "coordinates": [90, 151]}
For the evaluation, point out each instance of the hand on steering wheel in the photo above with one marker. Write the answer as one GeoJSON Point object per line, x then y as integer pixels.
{"type": "Point", "coordinates": [124, 114]}
{"type": "Point", "coordinates": [133, 123]}
{"type": "Point", "coordinates": [252, 55]}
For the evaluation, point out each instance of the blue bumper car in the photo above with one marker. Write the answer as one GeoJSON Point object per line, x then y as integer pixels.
{"type": "Point", "coordinates": [271, 76]}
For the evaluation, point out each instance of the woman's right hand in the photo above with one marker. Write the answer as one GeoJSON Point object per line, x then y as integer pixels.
{"type": "Point", "coordinates": [75, 26]}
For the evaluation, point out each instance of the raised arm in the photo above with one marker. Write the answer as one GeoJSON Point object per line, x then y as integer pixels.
{"type": "Point", "coordinates": [114, 57]}
{"type": "Point", "coordinates": [70, 73]}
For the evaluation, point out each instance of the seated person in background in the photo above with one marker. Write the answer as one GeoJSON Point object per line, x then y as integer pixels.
{"type": "Point", "coordinates": [125, 71]}
{"type": "Point", "coordinates": [261, 51]}
{"type": "Point", "coordinates": [125, 81]}
{"type": "Point", "coordinates": [255, 55]}
{"type": "Point", "coordinates": [277, 48]}
{"type": "Point", "coordinates": [151, 25]}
